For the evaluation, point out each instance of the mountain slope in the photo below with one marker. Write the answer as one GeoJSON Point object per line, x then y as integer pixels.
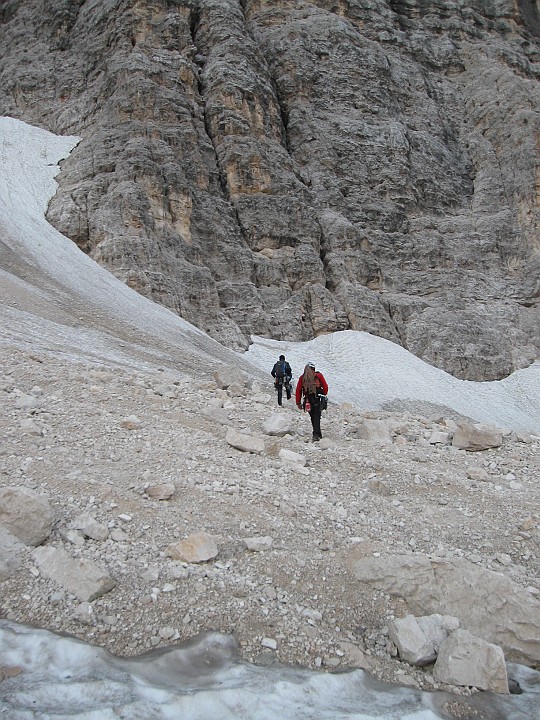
{"type": "Point", "coordinates": [292, 169]}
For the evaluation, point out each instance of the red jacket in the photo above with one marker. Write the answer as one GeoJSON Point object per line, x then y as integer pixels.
{"type": "Point", "coordinates": [320, 382]}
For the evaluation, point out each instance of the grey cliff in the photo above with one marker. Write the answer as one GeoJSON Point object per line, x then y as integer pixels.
{"type": "Point", "coordinates": [293, 168]}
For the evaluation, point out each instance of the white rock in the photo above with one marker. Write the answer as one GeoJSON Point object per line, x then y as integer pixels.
{"type": "Point", "coordinates": [119, 535]}
{"type": "Point", "coordinates": [85, 613]}
{"type": "Point", "coordinates": [90, 527]}
{"type": "Point", "coordinates": [289, 457]}
{"type": "Point", "coordinates": [256, 544]}
{"type": "Point", "coordinates": [229, 375]}
{"type": "Point", "coordinates": [476, 437]}
{"type": "Point", "coordinates": [269, 643]}
{"type": "Point", "coordinates": [262, 398]}
{"type": "Point", "coordinates": [30, 427]}
{"type": "Point", "coordinates": [278, 424]}
{"type": "Point", "coordinates": [166, 633]}
{"type": "Point", "coordinates": [28, 402]}
{"type": "Point", "coordinates": [82, 578]}
{"type": "Point", "coordinates": [438, 437]}
{"type": "Point", "coordinates": [470, 661]}
{"type": "Point", "coordinates": [11, 553]}
{"type": "Point", "coordinates": [374, 431]}
{"type": "Point", "coordinates": [161, 491]}
{"type": "Point", "coordinates": [72, 536]}
{"type": "Point", "coordinates": [411, 641]}
{"type": "Point", "coordinates": [478, 474]}
{"type": "Point", "coordinates": [245, 443]}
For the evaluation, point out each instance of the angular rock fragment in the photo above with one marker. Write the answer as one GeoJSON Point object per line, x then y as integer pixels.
{"type": "Point", "coordinates": [83, 578]}
{"type": "Point", "coordinates": [26, 514]}
{"type": "Point", "coordinates": [198, 547]}
{"type": "Point", "coordinates": [243, 442]}
{"type": "Point", "coordinates": [470, 661]}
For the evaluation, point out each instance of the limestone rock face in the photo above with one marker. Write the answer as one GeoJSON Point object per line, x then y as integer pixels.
{"type": "Point", "coordinates": [291, 169]}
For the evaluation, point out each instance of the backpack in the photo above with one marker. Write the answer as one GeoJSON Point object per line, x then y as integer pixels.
{"type": "Point", "coordinates": [281, 369]}
{"type": "Point", "coordinates": [309, 385]}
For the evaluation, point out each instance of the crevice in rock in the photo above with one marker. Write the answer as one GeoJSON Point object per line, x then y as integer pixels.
{"type": "Point", "coordinates": [200, 61]}
{"type": "Point", "coordinates": [281, 105]}
{"type": "Point", "coordinates": [397, 326]}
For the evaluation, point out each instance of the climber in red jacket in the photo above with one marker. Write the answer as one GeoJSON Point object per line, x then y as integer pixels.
{"type": "Point", "coordinates": [314, 388]}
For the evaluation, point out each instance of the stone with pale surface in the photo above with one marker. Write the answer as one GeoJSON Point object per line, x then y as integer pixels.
{"type": "Point", "coordinates": [198, 547]}
{"type": "Point", "coordinates": [476, 437]}
{"type": "Point", "coordinates": [467, 660]}
{"type": "Point", "coordinates": [26, 514]}
{"type": "Point", "coordinates": [83, 578]}
{"type": "Point", "coordinates": [243, 442]}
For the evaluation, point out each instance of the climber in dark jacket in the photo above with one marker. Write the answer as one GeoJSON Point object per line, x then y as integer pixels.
{"type": "Point", "coordinates": [311, 386]}
{"type": "Point", "coordinates": [282, 374]}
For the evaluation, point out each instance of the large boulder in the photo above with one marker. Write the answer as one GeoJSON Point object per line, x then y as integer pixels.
{"type": "Point", "coordinates": [476, 437]}
{"type": "Point", "coordinates": [486, 603]}
{"type": "Point", "coordinates": [243, 442]}
{"type": "Point", "coordinates": [470, 661]}
{"type": "Point", "coordinates": [418, 639]}
{"type": "Point", "coordinates": [26, 514]}
{"type": "Point", "coordinates": [83, 578]}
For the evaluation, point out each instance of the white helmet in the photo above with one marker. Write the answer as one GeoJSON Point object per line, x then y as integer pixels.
{"type": "Point", "coordinates": [311, 365]}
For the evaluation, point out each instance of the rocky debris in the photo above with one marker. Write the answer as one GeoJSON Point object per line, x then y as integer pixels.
{"type": "Point", "coordinates": [476, 437]}
{"type": "Point", "coordinates": [26, 514]}
{"type": "Point", "coordinates": [197, 548]}
{"type": "Point", "coordinates": [354, 176]}
{"type": "Point", "coordinates": [81, 577]}
{"type": "Point", "coordinates": [350, 500]}
{"type": "Point", "coordinates": [468, 660]}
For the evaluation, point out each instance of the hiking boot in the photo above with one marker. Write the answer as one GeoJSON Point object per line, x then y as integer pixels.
{"type": "Point", "coordinates": [316, 438]}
